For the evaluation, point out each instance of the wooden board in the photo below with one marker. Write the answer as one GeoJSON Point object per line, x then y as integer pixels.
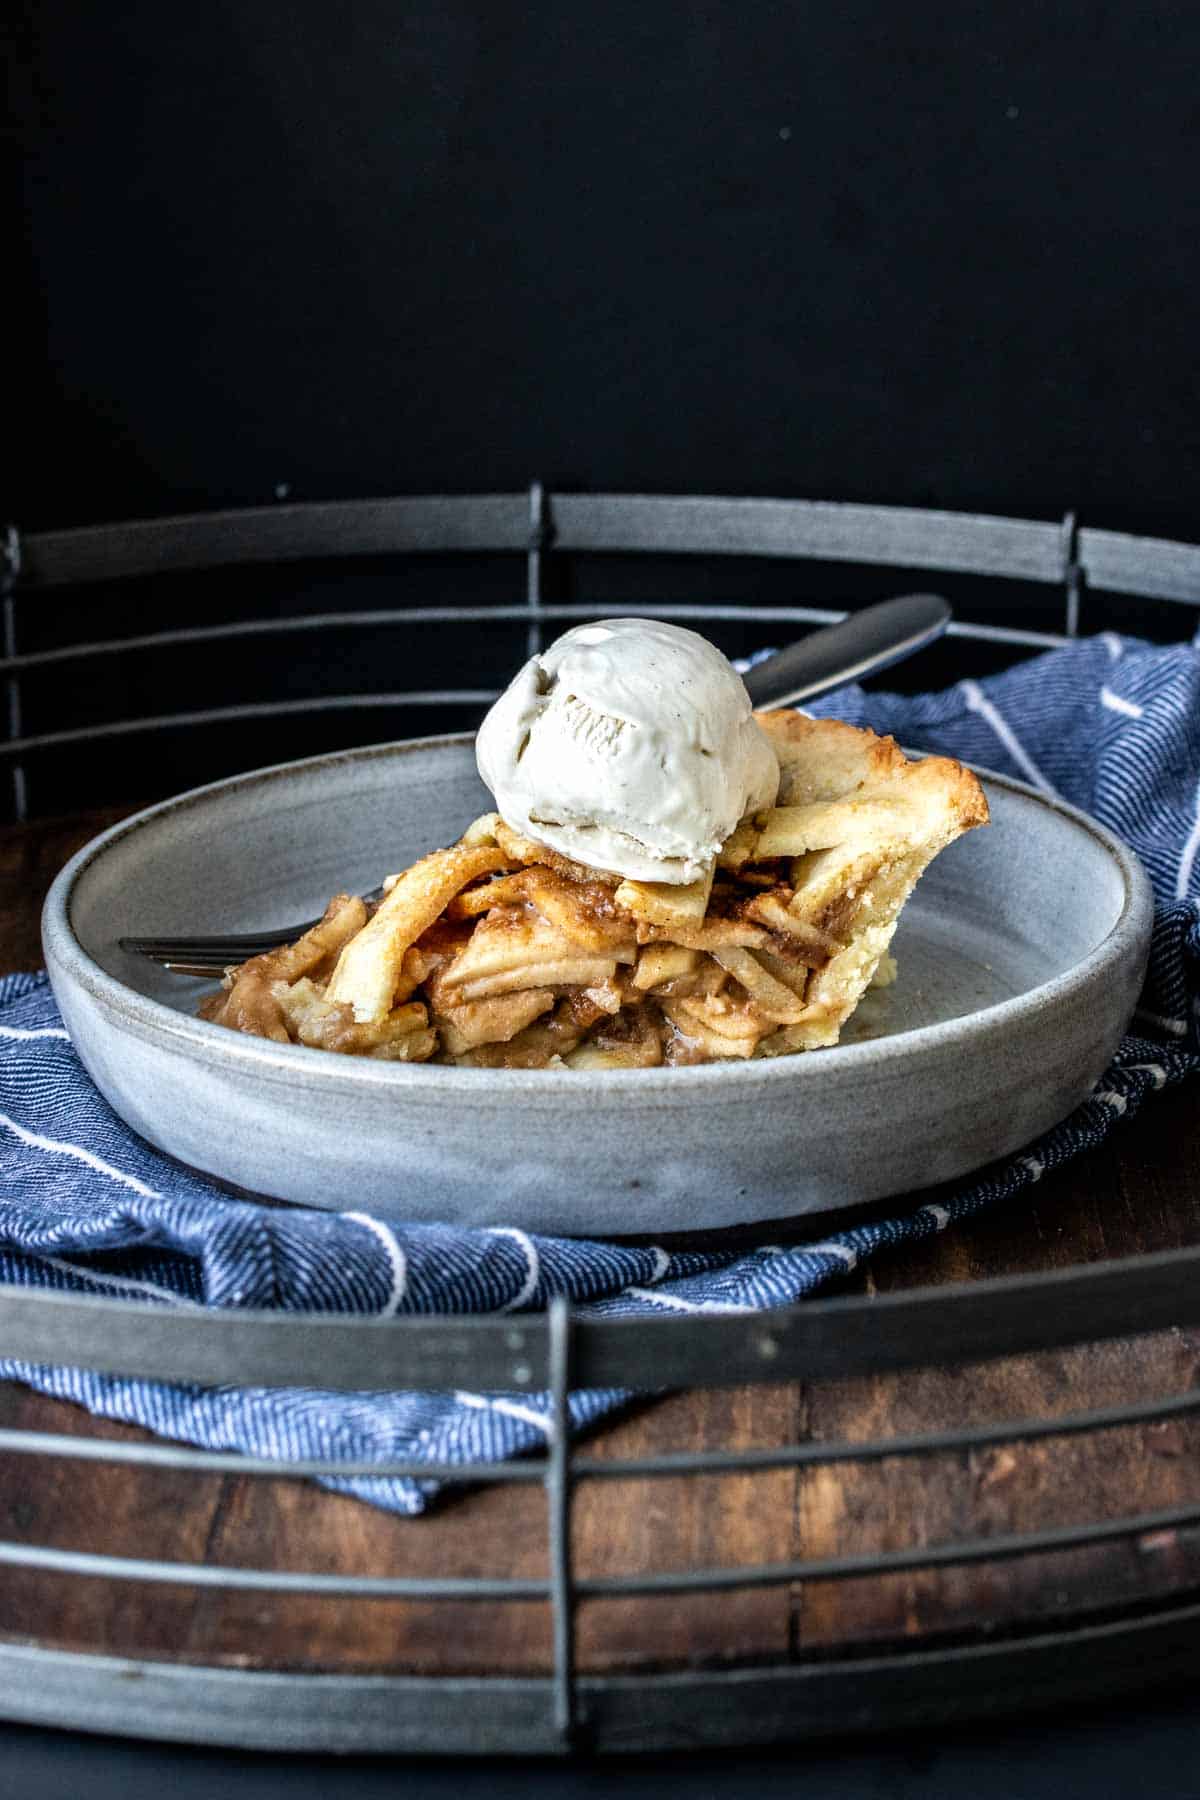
{"type": "Point", "coordinates": [1138, 1194]}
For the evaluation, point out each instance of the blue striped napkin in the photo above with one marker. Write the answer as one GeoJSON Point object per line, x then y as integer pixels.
{"type": "Point", "coordinates": [1109, 723]}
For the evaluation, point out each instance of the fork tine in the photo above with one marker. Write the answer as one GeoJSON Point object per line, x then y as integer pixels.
{"type": "Point", "coordinates": [212, 955]}
{"type": "Point", "coordinates": [189, 962]}
{"type": "Point", "coordinates": [232, 948]}
{"type": "Point", "coordinates": [177, 966]}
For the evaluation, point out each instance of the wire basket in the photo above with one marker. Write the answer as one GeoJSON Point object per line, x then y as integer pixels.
{"type": "Point", "coordinates": [560, 1351]}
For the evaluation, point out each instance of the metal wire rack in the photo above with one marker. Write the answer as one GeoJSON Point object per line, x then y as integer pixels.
{"type": "Point", "coordinates": [561, 1351]}
{"type": "Point", "coordinates": [537, 526]}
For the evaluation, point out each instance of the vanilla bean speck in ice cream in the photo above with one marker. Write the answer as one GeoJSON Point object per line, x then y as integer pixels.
{"type": "Point", "coordinates": [630, 746]}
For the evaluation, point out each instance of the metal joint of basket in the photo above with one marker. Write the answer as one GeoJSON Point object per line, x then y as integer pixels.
{"type": "Point", "coordinates": [501, 953]}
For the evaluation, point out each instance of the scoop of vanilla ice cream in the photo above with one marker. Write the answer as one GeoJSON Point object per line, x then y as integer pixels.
{"type": "Point", "coordinates": [628, 745]}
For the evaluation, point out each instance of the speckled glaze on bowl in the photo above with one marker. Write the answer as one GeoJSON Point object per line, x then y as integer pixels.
{"type": "Point", "coordinates": [1021, 956]}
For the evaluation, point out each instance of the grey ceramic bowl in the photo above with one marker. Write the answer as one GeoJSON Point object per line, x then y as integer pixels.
{"type": "Point", "coordinates": [1021, 956]}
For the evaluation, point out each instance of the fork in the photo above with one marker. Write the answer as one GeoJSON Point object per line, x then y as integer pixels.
{"type": "Point", "coordinates": [861, 645]}
{"type": "Point", "coordinates": [213, 955]}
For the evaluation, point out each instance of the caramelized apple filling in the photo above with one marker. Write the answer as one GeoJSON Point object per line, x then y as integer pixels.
{"type": "Point", "coordinates": [500, 953]}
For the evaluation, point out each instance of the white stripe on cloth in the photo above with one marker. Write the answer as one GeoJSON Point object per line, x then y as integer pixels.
{"type": "Point", "coordinates": [42, 1031]}
{"type": "Point", "coordinates": [1116, 703]}
{"type": "Point", "coordinates": [397, 1260]}
{"type": "Point", "coordinates": [511, 1409]}
{"type": "Point", "coordinates": [1188, 859]}
{"type": "Point", "coordinates": [56, 1148]}
{"type": "Point", "coordinates": [979, 703]}
{"type": "Point", "coordinates": [533, 1272]}
{"type": "Point", "coordinates": [662, 1263]}
{"type": "Point", "coordinates": [842, 1251]}
{"type": "Point", "coordinates": [1176, 1027]}
{"type": "Point", "coordinates": [677, 1304]}
{"type": "Point", "coordinates": [121, 1284]}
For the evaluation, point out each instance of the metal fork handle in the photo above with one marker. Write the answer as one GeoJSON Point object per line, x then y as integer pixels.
{"type": "Point", "coordinates": [213, 955]}
{"type": "Point", "coordinates": [863, 644]}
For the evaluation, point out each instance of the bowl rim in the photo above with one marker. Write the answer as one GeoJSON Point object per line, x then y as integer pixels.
{"type": "Point", "coordinates": [292, 1064]}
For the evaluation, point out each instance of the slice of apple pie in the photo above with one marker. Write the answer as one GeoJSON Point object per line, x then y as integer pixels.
{"type": "Point", "coordinates": [501, 953]}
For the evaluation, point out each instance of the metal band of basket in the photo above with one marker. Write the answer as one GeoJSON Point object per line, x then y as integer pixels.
{"type": "Point", "coordinates": [820, 1338]}
{"type": "Point", "coordinates": [537, 523]}
{"type": "Point", "coordinates": [830, 531]}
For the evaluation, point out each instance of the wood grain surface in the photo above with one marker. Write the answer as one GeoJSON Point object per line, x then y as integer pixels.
{"type": "Point", "coordinates": [1138, 1193]}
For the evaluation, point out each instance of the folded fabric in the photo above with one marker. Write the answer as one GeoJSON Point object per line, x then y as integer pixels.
{"type": "Point", "coordinates": [1110, 724]}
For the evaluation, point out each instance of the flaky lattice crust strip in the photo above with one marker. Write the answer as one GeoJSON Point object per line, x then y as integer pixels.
{"type": "Point", "coordinates": [499, 953]}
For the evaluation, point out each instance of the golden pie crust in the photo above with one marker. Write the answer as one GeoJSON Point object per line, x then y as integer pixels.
{"type": "Point", "coordinates": [500, 953]}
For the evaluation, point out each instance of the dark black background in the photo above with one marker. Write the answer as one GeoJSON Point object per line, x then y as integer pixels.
{"type": "Point", "coordinates": [940, 254]}
{"type": "Point", "coordinates": [944, 253]}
